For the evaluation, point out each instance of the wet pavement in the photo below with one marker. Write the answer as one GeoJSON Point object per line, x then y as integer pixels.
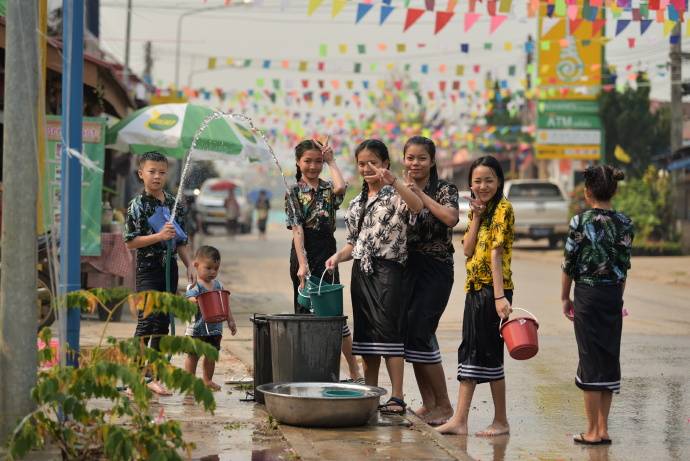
{"type": "Point", "coordinates": [650, 419]}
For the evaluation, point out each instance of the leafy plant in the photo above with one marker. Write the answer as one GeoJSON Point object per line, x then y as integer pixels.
{"type": "Point", "coordinates": [125, 430]}
{"type": "Point", "coordinates": [647, 201]}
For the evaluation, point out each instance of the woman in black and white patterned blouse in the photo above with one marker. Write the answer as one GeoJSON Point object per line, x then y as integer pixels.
{"type": "Point", "coordinates": [377, 221]}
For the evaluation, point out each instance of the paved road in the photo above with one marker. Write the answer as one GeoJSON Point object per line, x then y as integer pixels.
{"type": "Point", "coordinates": [649, 420]}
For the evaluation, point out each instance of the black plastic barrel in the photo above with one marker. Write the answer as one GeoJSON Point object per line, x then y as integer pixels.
{"type": "Point", "coordinates": [305, 348]}
{"type": "Point", "coordinates": [262, 355]}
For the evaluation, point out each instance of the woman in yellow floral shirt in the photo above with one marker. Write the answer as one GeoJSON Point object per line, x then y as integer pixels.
{"type": "Point", "coordinates": [488, 246]}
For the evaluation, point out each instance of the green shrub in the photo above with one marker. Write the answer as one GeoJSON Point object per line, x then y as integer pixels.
{"type": "Point", "coordinates": [125, 430]}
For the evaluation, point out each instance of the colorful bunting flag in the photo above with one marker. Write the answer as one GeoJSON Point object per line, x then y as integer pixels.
{"type": "Point", "coordinates": [212, 63]}
{"type": "Point", "coordinates": [386, 11]}
{"type": "Point", "coordinates": [413, 14]}
{"type": "Point", "coordinates": [337, 7]}
{"type": "Point", "coordinates": [442, 19]}
{"type": "Point", "coordinates": [464, 47]}
{"type": "Point", "coordinates": [496, 22]}
{"type": "Point", "coordinates": [362, 10]}
{"type": "Point", "coordinates": [313, 6]}
{"type": "Point", "coordinates": [470, 20]}
{"type": "Point", "coordinates": [644, 25]}
{"type": "Point", "coordinates": [430, 4]}
{"type": "Point", "coordinates": [323, 50]}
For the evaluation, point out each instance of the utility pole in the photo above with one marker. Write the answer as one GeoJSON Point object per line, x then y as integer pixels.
{"type": "Point", "coordinates": [18, 315]}
{"type": "Point", "coordinates": [676, 91]}
{"type": "Point", "coordinates": [128, 34]}
{"type": "Point", "coordinates": [70, 181]}
{"type": "Point", "coordinates": [148, 62]}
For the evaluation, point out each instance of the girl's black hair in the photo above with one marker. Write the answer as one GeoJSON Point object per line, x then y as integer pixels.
{"type": "Point", "coordinates": [430, 149]}
{"type": "Point", "coordinates": [489, 161]}
{"type": "Point", "coordinates": [602, 181]}
{"type": "Point", "coordinates": [381, 151]}
{"type": "Point", "coordinates": [300, 149]}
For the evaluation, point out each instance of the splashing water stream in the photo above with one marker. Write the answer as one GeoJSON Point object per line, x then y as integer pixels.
{"type": "Point", "coordinates": [204, 124]}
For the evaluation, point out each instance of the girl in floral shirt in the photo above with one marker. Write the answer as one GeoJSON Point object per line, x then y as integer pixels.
{"type": "Point", "coordinates": [377, 222]}
{"type": "Point", "coordinates": [310, 210]}
{"type": "Point", "coordinates": [488, 244]}
{"type": "Point", "coordinates": [429, 275]}
{"type": "Point", "coordinates": [597, 259]}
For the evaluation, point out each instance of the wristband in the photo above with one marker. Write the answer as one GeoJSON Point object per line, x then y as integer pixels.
{"type": "Point", "coordinates": [500, 297]}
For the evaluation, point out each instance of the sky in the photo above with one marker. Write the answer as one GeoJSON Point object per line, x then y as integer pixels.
{"type": "Point", "coordinates": [281, 29]}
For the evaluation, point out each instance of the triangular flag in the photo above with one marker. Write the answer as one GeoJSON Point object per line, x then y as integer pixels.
{"type": "Point", "coordinates": [631, 42]}
{"type": "Point", "coordinates": [362, 10]}
{"type": "Point", "coordinates": [451, 5]}
{"type": "Point", "coordinates": [644, 25]}
{"type": "Point", "coordinates": [413, 14]}
{"type": "Point", "coordinates": [496, 22]}
{"type": "Point", "coordinates": [597, 27]}
{"type": "Point", "coordinates": [337, 7]}
{"type": "Point", "coordinates": [313, 5]}
{"type": "Point", "coordinates": [668, 27]}
{"type": "Point", "coordinates": [547, 25]}
{"type": "Point", "coordinates": [470, 20]}
{"type": "Point", "coordinates": [621, 24]}
{"type": "Point", "coordinates": [442, 19]}
{"type": "Point", "coordinates": [621, 155]}
{"type": "Point", "coordinates": [430, 4]}
{"type": "Point", "coordinates": [574, 24]}
{"type": "Point", "coordinates": [385, 12]}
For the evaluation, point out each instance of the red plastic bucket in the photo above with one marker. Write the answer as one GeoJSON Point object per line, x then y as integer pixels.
{"type": "Point", "coordinates": [214, 305]}
{"type": "Point", "coordinates": [520, 336]}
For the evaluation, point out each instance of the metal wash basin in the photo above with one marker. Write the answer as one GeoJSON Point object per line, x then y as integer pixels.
{"type": "Point", "coordinates": [321, 404]}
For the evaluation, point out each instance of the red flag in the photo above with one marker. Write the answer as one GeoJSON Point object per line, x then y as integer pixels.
{"type": "Point", "coordinates": [597, 25]}
{"type": "Point", "coordinates": [413, 14]}
{"type": "Point", "coordinates": [574, 24]}
{"type": "Point", "coordinates": [491, 7]}
{"type": "Point", "coordinates": [654, 5]}
{"type": "Point", "coordinates": [442, 19]}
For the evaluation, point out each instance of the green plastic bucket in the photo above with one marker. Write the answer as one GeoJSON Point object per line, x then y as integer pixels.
{"type": "Point", "coordinates": [327, 299]}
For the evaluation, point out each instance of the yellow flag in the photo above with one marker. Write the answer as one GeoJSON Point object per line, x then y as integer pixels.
{"type": "Point", "coordinates": [668, 27]}
{"type": "Point", "coordinates": [212, 63]}
{"type": "Point", "coordinates": [621, 155]}
{"type": "Point", "coordinates": [337, 7]}
{"type": "Point", "coordinates": [313, 5]}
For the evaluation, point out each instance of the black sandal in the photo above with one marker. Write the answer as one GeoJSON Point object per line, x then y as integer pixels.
{"type": "Point", "coordinates": [393, 402]}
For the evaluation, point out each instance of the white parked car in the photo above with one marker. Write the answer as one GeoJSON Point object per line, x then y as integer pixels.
{"type": "Point", "coordinates": [210, 206]}
{"type": "Point", "coordinates": [464, 209]}
{"type": "Point", "coordinates": [541, 210]}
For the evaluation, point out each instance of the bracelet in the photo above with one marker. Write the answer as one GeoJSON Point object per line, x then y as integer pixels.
{"type": "Point", "coordinates": [500, 297]}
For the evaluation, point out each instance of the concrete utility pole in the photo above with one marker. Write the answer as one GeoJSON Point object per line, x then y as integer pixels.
{"type": "Point", "coordinates": [676, 91]}
{"type": "Point", "coordinates": [128, 33]}
{"type": "Point", "coordinates": [18, 314]}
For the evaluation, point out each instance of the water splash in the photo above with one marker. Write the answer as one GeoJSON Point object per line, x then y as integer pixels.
{"type": "Point", "coordinates": [202, 127]}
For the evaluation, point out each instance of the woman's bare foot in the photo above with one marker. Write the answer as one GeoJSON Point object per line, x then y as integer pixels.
{"type": "Point", "coordinates": [158, 388]}
{"type": "Point", "coordinates": [453, 428]}
{"type": "Point", "coordinates": [213, 386]}
{"type": "Point", "coordinates": [494, 430]}
{"type": "Point", "coordinates": [422, 412]}
{"type": "Point", "coordinates": [438, 416]}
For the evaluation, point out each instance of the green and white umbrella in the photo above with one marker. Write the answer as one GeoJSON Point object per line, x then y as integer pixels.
{"type": "Point", "coordinates": [170, 129]}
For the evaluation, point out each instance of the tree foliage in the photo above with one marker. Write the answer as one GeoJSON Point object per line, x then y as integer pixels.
{"type": "Point", "coordinates": [66, 415]}
{"type": "Point", "coordinates": [629, 123]}
{"type": "Point", "coordinates": [647, 201]}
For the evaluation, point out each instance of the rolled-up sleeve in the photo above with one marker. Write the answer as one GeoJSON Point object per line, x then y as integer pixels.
{"type": "Point", "coordinates": [351, 220]}
{"type": "Point", "coordinates": [572, 247]}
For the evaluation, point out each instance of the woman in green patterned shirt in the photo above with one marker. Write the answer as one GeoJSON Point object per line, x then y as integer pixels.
{"type": "Point", "coordinates": [597, 259]}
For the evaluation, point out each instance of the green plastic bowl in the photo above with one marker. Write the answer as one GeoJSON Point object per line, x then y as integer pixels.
{"type": "Point", "coordinates": [342, 393]}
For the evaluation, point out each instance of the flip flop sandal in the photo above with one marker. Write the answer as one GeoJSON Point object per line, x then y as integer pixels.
{"type": "Point", "coordinates": [393, 402]}
{"type": "Point", "coordinates": [582, 441]}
